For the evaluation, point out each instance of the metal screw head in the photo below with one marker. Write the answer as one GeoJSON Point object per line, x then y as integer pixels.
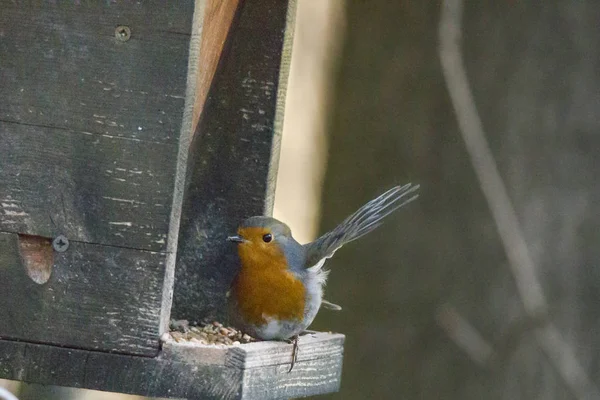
{"type": "Point", "coordinates": [122, 33]}
{"type": "Point", "coordinates": [60, 243]}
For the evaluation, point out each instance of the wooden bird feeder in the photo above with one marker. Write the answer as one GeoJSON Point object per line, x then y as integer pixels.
{"type": "Point", "coordinates": [134, 136]}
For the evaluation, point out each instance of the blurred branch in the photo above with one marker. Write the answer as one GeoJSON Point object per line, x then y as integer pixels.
{"type": "Point", "coordinates": [483, 161]}
{"type": "Point", "coordinates": [494, 190]}
{"type": "Point", "coordinates": [465, 335]}
{"type": "Point", "coordinates": [481, 351]}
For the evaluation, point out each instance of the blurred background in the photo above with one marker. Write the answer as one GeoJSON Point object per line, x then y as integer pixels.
{"type": "Point", "coordinates": [488, 285]}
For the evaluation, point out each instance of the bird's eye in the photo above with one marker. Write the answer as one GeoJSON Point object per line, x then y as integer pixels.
{"type": "Point", "coordinates": [267, 237]}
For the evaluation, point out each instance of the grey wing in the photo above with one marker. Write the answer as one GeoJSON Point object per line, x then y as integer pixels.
{"type": "Point", "coordinates": [363, 221]}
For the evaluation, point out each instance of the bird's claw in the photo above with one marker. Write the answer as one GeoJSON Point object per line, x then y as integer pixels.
{"type": "Point", "coordinates": [294, 341]}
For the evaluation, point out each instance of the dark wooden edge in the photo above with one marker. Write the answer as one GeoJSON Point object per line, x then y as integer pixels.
{"type": "Point", "coordinates": [186, 370]}
{"type": "Point", "coordinates": [208, 18]}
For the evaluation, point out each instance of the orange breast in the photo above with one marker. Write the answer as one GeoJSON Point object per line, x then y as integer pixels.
{"type": "Point", "coordinates": [264, 287]}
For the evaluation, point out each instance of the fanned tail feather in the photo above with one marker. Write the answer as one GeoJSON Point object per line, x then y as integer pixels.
{"type": "Point", "coordinates": [363, 221]}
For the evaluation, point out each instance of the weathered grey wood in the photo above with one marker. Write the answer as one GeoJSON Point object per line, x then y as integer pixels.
{"type": "Point", "coordinates": [88, 187]}
{"type": "Point", "coordinates": [309, 378]}
{"type": "Point", "coordinates": [113, 372]}
{"type": "Point", "coordinates": [85, 135]}
{"type": "Point", "coordinates": [98, 297]}
{"type": "Point", "coordinates": [169, 376]}
{"type": "Point", "coordinates": [312, 346]}
{"type": "Point", "coordinates": [256, 354]}
{"type": "Point", "coordinates": [90, 130]}
{"type": "Point", "coordinates": [62, 66]}
{"type": "Point", "coordinates": [233, 156]}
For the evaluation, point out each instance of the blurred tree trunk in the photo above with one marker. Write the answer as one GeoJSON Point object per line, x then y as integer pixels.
{"type": "Point", "coordinates": [534, 72]}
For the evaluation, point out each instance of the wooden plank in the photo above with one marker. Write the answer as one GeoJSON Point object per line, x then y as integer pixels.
{"type": "Point", "coordinates": [89, 187]}
{"type": "Point", "coordinates": [233, 158]}
{"type": "Point", "coordinates": [97, 297]}
{"type": "Point", "coordinates": [113, 372]}
{"type": "Point", "coordinates": [256, 354]}
{"type": "Point", "coordinates": [168, 376]}
{"type": "Point", "coordinates": [312, 346]}
{"type": "Point", "coordinates": [211, 23]}
{"type": "Point", "coordinates": [63, 67]}
{"type": "Point", "coordinates": [308, 378]}
{"type": "Point", "coordinates": [218, 15]}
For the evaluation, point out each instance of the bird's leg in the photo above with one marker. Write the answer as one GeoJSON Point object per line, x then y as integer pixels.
{"type": "Point", "coordinates": [293, 340]}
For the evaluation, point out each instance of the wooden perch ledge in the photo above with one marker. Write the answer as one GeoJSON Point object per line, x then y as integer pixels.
{"type": "Point", "coordinates": [186, 370]}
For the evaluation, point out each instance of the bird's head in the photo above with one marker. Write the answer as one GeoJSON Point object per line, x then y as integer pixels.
{"type": "Point", "coordinates": [263, 241]}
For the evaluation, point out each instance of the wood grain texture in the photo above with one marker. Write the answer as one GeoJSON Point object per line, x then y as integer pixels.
{"type": "Point", "coordinates": [231, 158]}
{"type": "Point", "coordinates": [89, 138]}
{"type": "Point", "coordinates": [256, 354]}
{"type": "Point", "coordinates": [211, 23]}
{"type": "Point", "coordinates": [218, 15]}
{"type": "Point", "coordinates": [88, 187]}
{"type": "Point", "coordinates": [116, 373]}
{"type": "Point", "coordinates": [95, 137]}
{"type": "Point", "coordinates": [132, 89]}
{"type": "Point", "coordinates": [98, 297]}
{"type": "Point", "coordinates": [308, 378]}
{"type": "Point", "coordinates": [173, 377]}
{"type": "Point", "coordinates": [312, 346]}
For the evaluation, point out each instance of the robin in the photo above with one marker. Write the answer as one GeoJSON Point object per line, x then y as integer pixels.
{"type": "Point", "coordinates": [279, 287]}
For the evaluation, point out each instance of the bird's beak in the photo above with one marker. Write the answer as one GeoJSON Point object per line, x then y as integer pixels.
{"type": "Point", "coordinates": [236, 239]}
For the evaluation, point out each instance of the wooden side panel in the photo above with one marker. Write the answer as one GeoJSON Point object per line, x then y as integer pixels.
{"type": "Point", "coordinates": [97, 297]}
{"type": "Point", "coordinates": [89, 187]}
{"type": "Point", "coordinates": [233, 157]}
{"type": "Point", "coordinates": [62, 66]}
{"type": "Point", "coordinates": [89, 120]}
